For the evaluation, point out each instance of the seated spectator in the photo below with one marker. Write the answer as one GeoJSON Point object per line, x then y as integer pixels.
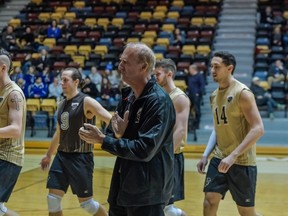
{"type": "Point", "coordinates": [9, 38]}
{"type": "Point", "coordinates": [178, 37]}
{"type": "Point", "coordinates": [114, 80]}
{"type": "Point", "coordinates": [30, 76]}
{"type": "Point", "coordinates": [96, 77]}
{"type": "Point", "coordinates": [268, 17]}
{"type": "Point", "coordinates": [22, 84]}
{"type": "Point", "coordinates": [277, 72]}
{"type": "Point", "coordinates": [66, 29]}
{"type": "Point", "coordinates": [17, 74]}
{"type": "Point", "coordinates": [47, 76]}
{"type": "Point", "coordinates": [54, 31]}
{"type": "Point", "coordinates": [277, 36]}
{"type": "Point", "coordinates": [106, 99]}
{"type": "Point", "coordinates": [28, 38]}
{"type": "Point", "coordinates": [43, 61]}
{"type": "Point", "coordinates": [263, 97]}
{"type": "Point", "coordinates": [38, 89]}
{"type": "Point", "coordinates": [28, 61]}
{"type": "Point", "coordinates": [55, 90]}
{"type": "Point", "coordinates": [89, 88]}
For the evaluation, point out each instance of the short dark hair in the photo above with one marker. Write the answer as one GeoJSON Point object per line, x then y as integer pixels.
{"type": "Point", "coordinates": [167, 65]}
{"type": "Point", "coordinates": [227, 58]}
{"type": "Point", "coordinates": [6, 53]}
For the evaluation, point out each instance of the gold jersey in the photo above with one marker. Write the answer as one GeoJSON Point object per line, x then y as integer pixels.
{"type": "Point", "coordinates": [230, 124]}
{"type": "Point", "coordinates": [173, 94]}
{"type": "Point", "coordinates": [11, 149]}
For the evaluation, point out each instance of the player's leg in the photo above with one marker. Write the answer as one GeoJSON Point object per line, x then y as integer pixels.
{"type": "Point", "coordinates": [80, 171]}
{"type": "Point", "coordinates": [54, 199]}
{"type": "Point", "coordinates": [58, 184]}
{"type": "Point", "coordinates": [178, 190]}
{"type": "Point", "coordinates": [8, 178]}
{"type": "Point", "coordinates": [242, 185]}
{"type": "Point", "coordinates": [92, 207]}
{"type": "Point", "coordinates": [171, 210]}
{"type": "Point", "coordinates": [215, 188]}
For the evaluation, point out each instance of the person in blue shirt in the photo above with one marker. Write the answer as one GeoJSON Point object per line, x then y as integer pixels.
{"type": "Point", "coordinates": [38, 89]}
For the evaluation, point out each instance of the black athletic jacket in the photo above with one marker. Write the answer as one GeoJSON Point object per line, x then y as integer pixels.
{"type": "Point", "coordinates": [143, 172]}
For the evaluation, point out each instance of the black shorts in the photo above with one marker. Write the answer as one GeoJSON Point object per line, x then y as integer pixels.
{"type": "Point", "coordinates": [178, 189]}
{"type": "Point", "coordinates": [74, 169]}
{"type": "Point", "coordinates": [239, 180]}
{"type": "Point", "coordinates": [8, 178]}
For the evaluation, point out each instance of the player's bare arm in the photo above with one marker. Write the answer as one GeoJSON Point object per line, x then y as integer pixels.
{"type": "Point", "coordinates": [94, 108]}
{"type": "Point", "coordinates": [14, 127]}
{"type": "Point", "coordinates": [182, 108]}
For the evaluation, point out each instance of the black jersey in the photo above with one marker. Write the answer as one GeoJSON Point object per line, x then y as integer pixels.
{"type": "Point", "coordinates": [71, 118]}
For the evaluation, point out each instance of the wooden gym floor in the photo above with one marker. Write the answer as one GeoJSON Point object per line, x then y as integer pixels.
{"type": "Point", "coordinates": [29, 195]}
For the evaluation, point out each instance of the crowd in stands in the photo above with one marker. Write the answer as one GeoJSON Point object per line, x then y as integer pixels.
{"type": "Point", "coordinates": [271, 53]}
{"type": "Point", "coordinates": [48, 36]}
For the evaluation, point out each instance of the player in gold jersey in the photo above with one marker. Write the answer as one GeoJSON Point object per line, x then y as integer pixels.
{"type": "Point", "coordinates": [12, 132]}
{"type": "Point", "coordinates": [165, 71]}
{"type": "Point", "coordinates": [237, 127]}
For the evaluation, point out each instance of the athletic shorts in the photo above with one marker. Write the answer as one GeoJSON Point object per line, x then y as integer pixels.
{"type": "Point", "coordinates": [178, 188]}
{"type": "Point", "coordinates": [239, 180]}
{"type": "Point", "coordinates": [9, 174]}
{"type": "Point", "coordinates": [74, 170]}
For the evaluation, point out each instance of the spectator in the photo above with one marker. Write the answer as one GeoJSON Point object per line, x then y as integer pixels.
{"type": "Point", "coordinates": [263, 97]}
{"type": "Point", "coordinates": [28, 38]}
{"type": "Point", "coordinates": [38, 89]}
{"type": "Point", "coordinates": [114, 80]}
{"type": "Point", "coordinates": [30, 76]}
{"type": "Point", "coordinates": [43, 61]}
{"type": "Point", "coordinates": [9, 38]}
{"type": "Point", "coordinates": [28, 61]}
{"type": "Point", "coordinates": [54, 31]}
{"type": "Point", "coordinates": [17, 74]}
{"type": "Point", "coordinates": [96, 77]}
{"type": "Point", "coordinates": [89, 88]}
{"type": "Point", "coordinates": [47, 76]}
{"type": "Point", "coordinates": [196, 88]}
{"type": "Point", "coordinates": [178, 37]}
{"type": "Point", "coordinates": [66, 29]}
{"type": "Point", "coordinates": [277, 72]}
{"type": "Point", "coordinates": [55, 90]}
{"type": "Point", "coordinates": [277, 36]}
{"type": "Point", "coordinates": [22, 84]}
{"type": "Point", "coordinates": [267, 15]}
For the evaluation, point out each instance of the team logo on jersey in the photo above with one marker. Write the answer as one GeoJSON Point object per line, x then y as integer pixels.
{"type": "Point", "coordinates": [74, 105]}
{"type": "Point", "coordinates": [229, 99]}
{"type": "Point", "coordinates": [138, 116]}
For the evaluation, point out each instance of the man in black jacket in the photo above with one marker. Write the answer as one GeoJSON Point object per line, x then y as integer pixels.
{"type": "Point", "coordinates": [142, 139]}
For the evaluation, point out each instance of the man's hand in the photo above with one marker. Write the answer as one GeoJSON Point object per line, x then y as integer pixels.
{"type": "Point", "coordinates": [226, 163]}
{"type": "Point", "coordinates": [202, 164]}
{"type": "Point", "coordinates": [119, 125]}
{"type": "Point", "coordinates": [45, 162]}
{"type": "Point", "coordinates": [91, 134]}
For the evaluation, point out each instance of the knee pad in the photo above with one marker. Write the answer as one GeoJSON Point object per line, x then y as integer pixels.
{"type": "Point", "coordinates": [90, 206]}
{"type": "Point", "coordinates": [171, 210]}
{"type": "Point", "coordinates": [3, 209]}
{"type": "Point", "coordinates": [54, 203]}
